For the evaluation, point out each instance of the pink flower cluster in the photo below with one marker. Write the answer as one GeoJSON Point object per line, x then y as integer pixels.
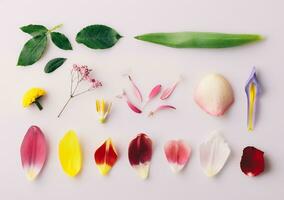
{"type": "Point", "coordinates": [84, 72]}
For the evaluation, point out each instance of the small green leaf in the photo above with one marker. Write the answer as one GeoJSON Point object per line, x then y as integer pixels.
{"type": "Point", "coordinates": [61, 41]}
{"type": "Point", "coordinates": [98, 37]}
{"type": "Point", "coordinates": [53, 64]}
{"type": "Point", "coordinates": [32, 50]}
{"type": "Point", "coordinates": [34, 29]}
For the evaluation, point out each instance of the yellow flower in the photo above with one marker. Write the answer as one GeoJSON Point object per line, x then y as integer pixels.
{"type": "Point", "coordinates": [32, 96]}
{"type": "Point", "coordinates": [103, 109]}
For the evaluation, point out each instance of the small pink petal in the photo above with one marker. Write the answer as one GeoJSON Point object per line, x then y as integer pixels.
{"type": "Point", "coordinates": [162, 107]}
{"type": "Point", "coordinates": [130, 104]}
{"type": "Point", "coordinates": [136, 89]}
{"type": "Point", "coordinates": [169, 91]}
{"type": "Point", "coordinates": [177, 153]}
{"type": "Point", "coordinates": [133, 107]}
{"type": "Point", "coordinates": [155, 91]}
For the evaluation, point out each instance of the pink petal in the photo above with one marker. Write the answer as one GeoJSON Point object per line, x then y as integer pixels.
{"type": "Point", "coordinates": [33, 152]}
{"type": "Point", "coordinates": [130, 104]}
{"type": "Point", "coordinates": [136, 90]}
{"type": "Point", "coordinates": [155, 91]}
{"type": "Point", "coordinates": [177, 153]}
{"type": "Point", "coordinates": [162, 107]}
{"type": "Point", "coordinates": [133, 107]}
{"type": "Point", "coordinates": [168, 92]}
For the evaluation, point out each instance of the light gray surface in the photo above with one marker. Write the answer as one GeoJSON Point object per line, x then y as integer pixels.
{"type": "Point", "coordinates": [149, 64]}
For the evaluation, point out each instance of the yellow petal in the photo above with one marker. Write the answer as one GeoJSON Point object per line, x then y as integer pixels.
{"type": "Point", "coordinates": [70, 155]}
{"type": "Point", "coordinates": [98, 106]}
{"type": "Point", "coordinates": [252, 97]}
{"type": "Point", "coordinates": [102, 107]}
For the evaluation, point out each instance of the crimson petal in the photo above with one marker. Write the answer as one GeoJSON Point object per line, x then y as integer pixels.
{"type": "Point", "coordinates": [140, 154]}
{"type": "Point", "coordinates": [252, 162]}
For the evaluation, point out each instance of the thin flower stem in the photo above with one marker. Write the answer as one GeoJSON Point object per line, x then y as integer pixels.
{"type": "Point", "coordinates": [71, 82]}
{"type": "Point", "coordinates": [64, 106]}
{"type": "Point", "coordinates": [76, 87]}
{"type": "Point", "coordinates": [75, 95]}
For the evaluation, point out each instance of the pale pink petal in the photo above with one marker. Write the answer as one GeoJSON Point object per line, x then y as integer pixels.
{"type": "Point", "coordinates": [168, 91]}
{"type": "Point", "coordinates": [162, 107]}
{"type": "Point", "coordinates": [214, 94]}
{"type": "Point", "coordinates": [177, 153]}
{"type": "Point", "coordinates": [136, 89]}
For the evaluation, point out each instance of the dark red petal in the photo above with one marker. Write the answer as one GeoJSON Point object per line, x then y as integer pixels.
{"type": "Point", "coordinates": [140, 150]}
{"type": "Point", "coordinates": [252, 162]}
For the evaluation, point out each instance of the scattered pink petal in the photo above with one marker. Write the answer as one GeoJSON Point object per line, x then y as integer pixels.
{"type": "Point", "coordinates": [33, 152]}
{"type": "Point", "coordinates": [169, 91]}
{"type": "Point", "coordinates": [177, 153]}
{"type": "Point", "coordinates": [162, 107]}
{"type": "Point", "coordinates": [154, 92]}
{"type": "Point", "coordinates": [131, 105]}
{"type": "Point", "coordinates": [136, 89]}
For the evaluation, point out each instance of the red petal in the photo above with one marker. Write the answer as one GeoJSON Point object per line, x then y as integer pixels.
{"type": "Point", "coordinates": [33, 152]}
{"type": "Point", "coordinates": [106, 154]}
{"type": "Point", "coordinates": [140, 150]}
{"type": "Point", "coordinates": [252, 162]}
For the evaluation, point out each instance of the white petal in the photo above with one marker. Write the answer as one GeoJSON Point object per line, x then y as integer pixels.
{"type": "Point", "coordinates": [214, 153]}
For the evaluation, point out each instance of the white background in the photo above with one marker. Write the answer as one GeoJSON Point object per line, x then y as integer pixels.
{"type": "Point", "coordinates": [149, 64]}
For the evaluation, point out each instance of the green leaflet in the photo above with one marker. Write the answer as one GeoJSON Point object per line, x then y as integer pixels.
{"type": "Point", "coordinates": [53, 64]}
{"type": "Point", "coordinates": [32, 50]}
{"type": "Point", "coordinates": [98, 37]}
{"type": "Point", "coordinates": [34, 30]}
{"type": "Point", "coordinates": [60, 40]}
{"type": "Point", "coordinates": [199, 39]}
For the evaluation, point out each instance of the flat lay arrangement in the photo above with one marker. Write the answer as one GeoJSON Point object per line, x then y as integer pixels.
{"type": "Point", "coordinates": [213, 94]}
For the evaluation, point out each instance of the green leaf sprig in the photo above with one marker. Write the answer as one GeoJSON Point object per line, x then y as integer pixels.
{"type": "Point", "coordinates": [36, 46]}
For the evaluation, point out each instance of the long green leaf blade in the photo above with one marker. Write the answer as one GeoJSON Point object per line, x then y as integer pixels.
{"type": "Point", "coordinates": [199, 39]}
